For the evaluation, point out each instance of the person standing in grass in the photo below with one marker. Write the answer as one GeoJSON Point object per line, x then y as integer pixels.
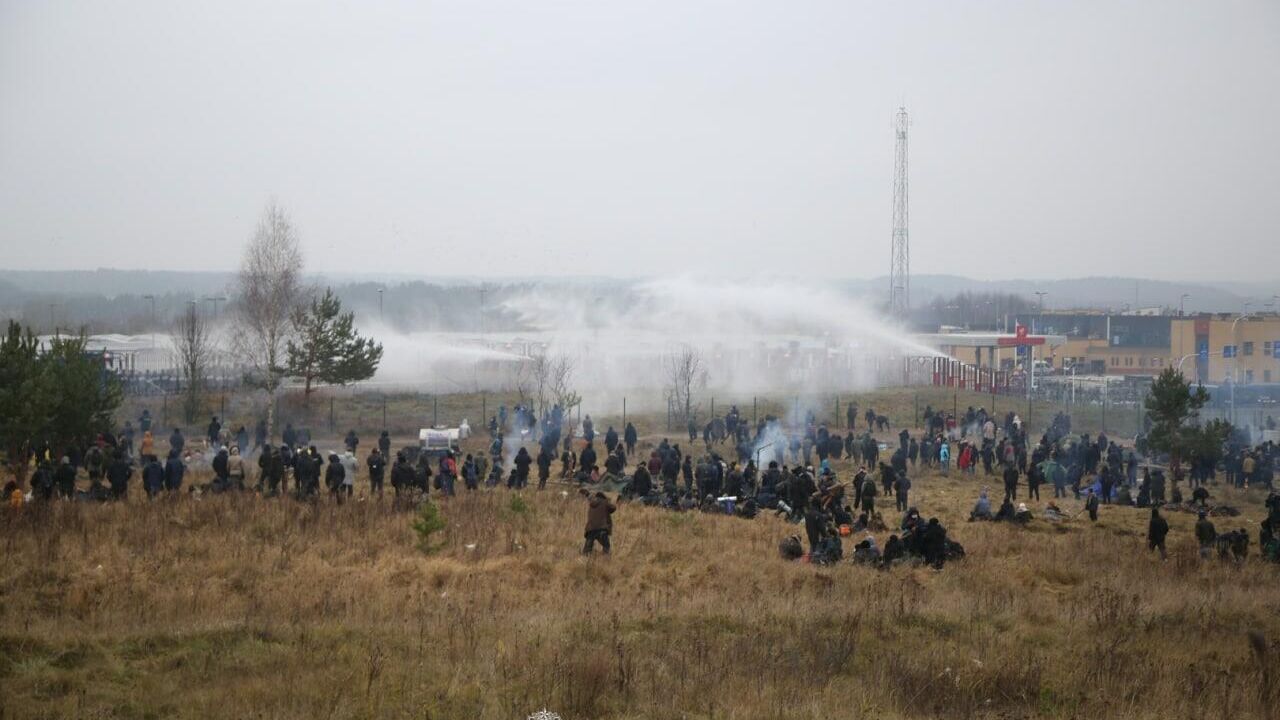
{"type": "Point", "coordinates": [1206, 535]}
{"type": "Point", "coordinates": [334, 476]}
{"type": "Point", "coordinates": [599, 522]}
{"type": "Point", "coordinates": [1157, 530]}
{"type": "Point", "coordinates": [1010, 482]}
{"type": "Point", "coordinates": [378, 469]}
{"type": "Point", "coordinates": [1091, 504]}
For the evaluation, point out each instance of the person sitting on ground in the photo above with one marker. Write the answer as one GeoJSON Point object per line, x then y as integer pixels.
{"type": "Point", "coordinates": [1053, 513]}
{"type": "Point", "coordinates": [982, 508]}
{"type": "Point", "coordinates": [791, 548]}
{"type": "Point", "coordinates": [866, 551]}
{"type": "Point", "coordinates": [910, 519]}
{"type": "Point", "coordinates": [894, 551]}
{"type": "Point", "coordinates": [1005, 512]}
{"type": "Point", "coordinates": [1022, 515]}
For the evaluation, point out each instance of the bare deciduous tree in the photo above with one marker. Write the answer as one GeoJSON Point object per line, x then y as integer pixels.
{"type": "Point", "coordinates": [193, 352]}
{"type": "Point", "coordinates": [550, 379]}
{"type": "Point", "coordinates": [683, 370]}
{"type": "Point", "coordinates": [269, 288]}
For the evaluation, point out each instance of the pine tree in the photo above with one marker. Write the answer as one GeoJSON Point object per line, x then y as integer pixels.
{"type": "Point", "coordinates": [1174, 409]}
{"type": "Point", "coordinates": [329, 351]}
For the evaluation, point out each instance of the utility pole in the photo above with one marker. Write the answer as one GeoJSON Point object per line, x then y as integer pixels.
{"type": "Point", "coordinates": [900, 253]}
{"type": "Point", "coordinates": [1040, 301]}
{"type": "Point", "coordinates": [380, 304]}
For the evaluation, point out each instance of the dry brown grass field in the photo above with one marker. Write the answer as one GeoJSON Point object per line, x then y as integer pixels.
{"type": "Point", "coordinates": [240, 607]}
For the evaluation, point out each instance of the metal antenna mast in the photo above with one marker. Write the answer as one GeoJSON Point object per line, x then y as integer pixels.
{"type": "Point", "coordinates": [900, 257]}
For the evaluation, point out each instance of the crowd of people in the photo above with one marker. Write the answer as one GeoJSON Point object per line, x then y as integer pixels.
{"type": "Point", "coordinates": [731, 466]}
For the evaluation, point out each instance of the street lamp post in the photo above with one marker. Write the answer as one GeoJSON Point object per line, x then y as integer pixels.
{"type": "Point", "coordinates": [1235, 358]}
{"type": "Point", "coordinates": [380, 304]}
{"type": "Point", "coordinates": [1040, 301]}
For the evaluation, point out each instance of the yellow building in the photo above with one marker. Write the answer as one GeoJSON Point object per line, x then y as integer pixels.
{"type": "Point", "coordinates": [1143, 345]}
{"type": "Point", "coordinates": [1254, 338]}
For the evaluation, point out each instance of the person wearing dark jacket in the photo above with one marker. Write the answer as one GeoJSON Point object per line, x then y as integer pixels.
{"type": "Point", "coordinates": [221, 468]}
{"type": "Point", "coordinates": [334, 475]}
{"type": "Point", "coordinates": [522, 463]}
{"type": "Point", "coordinates": [65, 479]}
{"type": "Point", "coordinates": [384, 445]}
{"type": "Point", "coordinates": [587, 459]}
{"type": "Point", "coordinates": [1206, 535]}
{"type": "Point", "coordinates": [641, 481]}
{"type": "Point", "coordinates": [869, 493]}
{"type": "Point", "coordinates": [544, 467]}
{"type": "Point", "coordinates": [118, 474]}
{"type": "Point", "coordinates": [401, 474]}
{"type": "Point", "coordinates": [173, 472]}
{"type": "Point", "coordinates": [1157, 529]}
{"type": "Point", "coordinates": [1091, 504]}
{"type": "Point", "coordinates": [629, 438]}
{"type": "Point", "coordinates": [888, 476]}
{"type": "Point", "coordinates": [377, 470]}
{"type": "Point", "coordinates": [901, 487]}
{"type": "Point", "coordinates": [599, 522]}
{"type": "Point", "coordinates": [1034, 479]}
{"type": "Point", "coordinates": [215, 430]}
{"type": "Point", "coordinates": [306, 474]}
{"type": "Point", "coordinates": [1010, 482]}
{"type": "Point", "coordinates": [152, 476]}
{"type": "Point", "coordinates": [275, 471]}
{"type": "Point", "coordinates": [176, 441]}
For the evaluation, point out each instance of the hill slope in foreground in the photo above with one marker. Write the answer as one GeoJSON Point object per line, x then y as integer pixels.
{"type": "Point", "coordinates": [242, 607]}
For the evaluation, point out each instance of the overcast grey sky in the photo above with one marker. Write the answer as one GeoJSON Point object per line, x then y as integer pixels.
{"type": "Point", "coordinates": [1049, 139]}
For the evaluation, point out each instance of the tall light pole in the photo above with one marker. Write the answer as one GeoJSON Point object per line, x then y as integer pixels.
{"type": "Point", "coordinates": [1235, 355]}
{"type": "Point", "coordinates": [1040, 299]}
{"type": "Point", "coordinates": [380, 304]}
{"type": "Point", "coordinates": [1182, 304]}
